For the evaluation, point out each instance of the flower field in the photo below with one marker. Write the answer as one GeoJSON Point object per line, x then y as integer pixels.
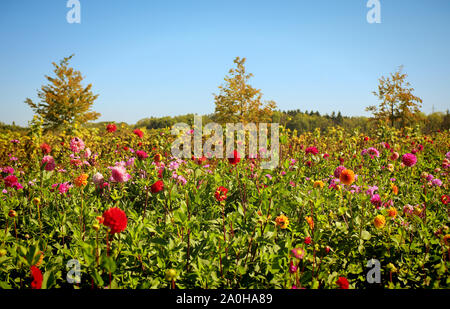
{"type": "Point", "coordinates": [115, 203]}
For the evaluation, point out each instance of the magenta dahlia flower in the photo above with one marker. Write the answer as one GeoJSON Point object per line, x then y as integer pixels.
{"type": "Point", "coordinates": [409, 159]}
{"type": "Point", "coordinates": [338, 171]}
{"type": "Point", "coordinates": [313, 150]}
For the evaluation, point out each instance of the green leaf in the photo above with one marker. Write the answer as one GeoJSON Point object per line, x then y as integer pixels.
{"type": "Point", "coordinates": [180, 216]}
{"type": "Point", "coordinates": [49, 279]}
{"type": "Point", "coordinates": [365, 235]}
{"type": "Point", "coordinates": [97, 279]}
{"type": "Point", "coordinates": [396, 239]}
{"type": "Point", "coordinates": [109, 264]}
{"type": "Point", "coordinates": [217, 178]}
{"type": "Point", "coordinates": [31, 255]}
{"type": "Point", "coordinates": [240, 210]}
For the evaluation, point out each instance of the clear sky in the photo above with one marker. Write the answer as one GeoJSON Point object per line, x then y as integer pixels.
{"type": "Point", "coordinates": [156, 58]}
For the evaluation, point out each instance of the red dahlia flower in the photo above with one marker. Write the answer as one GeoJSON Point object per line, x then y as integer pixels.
{"type": "Point", "coordinates": [313, 150]}
{"type": "Point", "coordinates": [138, 133]}
{"type": "Point", "coordinates": [445, 199]}
{"type": "Point", "coordinates": [235, 159]}
{"type": "Point", "coordinates": [37, 277]}
{"type": "Point", "coordinates": [200, 160]}
{"type": "Point", "coordinates": [115, 219]}
{"type": "Point", "coordinates": [221, 193]}
{"type": "Point", "coordinates": [141, 154]}
{"type": "Point", "coordinates": [157, 186]}
{"type": "Point", "coordinates": [10, 181]}
{"type": "Point", "coordinates": [45, 148]}
{"type": "Point", "coordinates": [111, 128]}
{"type": "Point", "coordinates": [342, 282]}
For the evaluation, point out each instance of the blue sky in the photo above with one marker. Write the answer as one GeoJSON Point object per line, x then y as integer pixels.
{"type": "Point", "coordinates": [156, 58]}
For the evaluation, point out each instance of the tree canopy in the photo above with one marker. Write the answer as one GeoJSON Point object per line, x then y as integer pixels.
{"type": "Point", "coordinates": [398, 104]}
{"type": "Point", "coordinates": [64, 100]}
{"type": "Point", "coordinates": [238, 101]}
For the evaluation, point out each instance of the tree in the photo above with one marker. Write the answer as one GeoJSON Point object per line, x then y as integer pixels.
{"type": "Point", "coordinates": [64, 101]}
{"type": "Point", "coordinates": [339, 118]}
{"type": "Point", "coordinates": [240, 102]}
{"type": "Point", "coordinates": [397, 100]}
{"type": "Point", "coordinates": [333, 116]}
{"type": "Point", "coordinates": [446, 121]}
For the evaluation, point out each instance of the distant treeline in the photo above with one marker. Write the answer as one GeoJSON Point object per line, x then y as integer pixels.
{"type": "Point", "coordinates": [302, 121]}
{"type": "Point", "coordinates": [11, 127]}
{"type": "Point", "coordinates": [309, 120]}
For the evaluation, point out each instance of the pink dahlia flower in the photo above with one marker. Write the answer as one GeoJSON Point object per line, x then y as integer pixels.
{"type": "Point", "coordinates": [119, 174]}
{"type": "Point", "coordinates": [49, 163]}
{"type": "Point", "coordinates": [409, 159]}
{"type": "Point", "coordinates": [98, 179]}
{"type": "Point", "coordinates": [76, 144]}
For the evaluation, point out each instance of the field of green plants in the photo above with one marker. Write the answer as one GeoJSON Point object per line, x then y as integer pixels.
{"type": "Point", "coordinates": [111, 208]}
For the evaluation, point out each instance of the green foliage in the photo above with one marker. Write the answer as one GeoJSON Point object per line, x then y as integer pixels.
{"type": "Point", "coordinates": [168, 122]}
{"type": "Point", "coordinates": [235, 243]}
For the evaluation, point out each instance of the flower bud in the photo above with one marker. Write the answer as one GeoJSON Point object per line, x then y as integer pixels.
{"type": "Point", "coordinates": [158, 158]}
{"type": "Point", "coordinates": [446, 240]}
{"type": "Point", "coordinates": [417, 210]}
{"type": "Point", "coordinates": [171, 274]}
{"type": "Point", "coordinates": [390, 167]}
{"type": "Point", "coordinates": [100, 219]}
{"type": "Point", "coordinates": [392, 268]}
{"type": "Point", "coordinates": [12, 213]}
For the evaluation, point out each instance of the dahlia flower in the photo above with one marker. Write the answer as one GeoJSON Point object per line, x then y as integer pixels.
{"type": "Point", "coordinates": [409, 159]}
{"type": "Point", "coordinates": [76, 144]}
{"type": "Point", "coordinates": [115, 219]}
{"type": "Point", "coordinates": [49, 163]}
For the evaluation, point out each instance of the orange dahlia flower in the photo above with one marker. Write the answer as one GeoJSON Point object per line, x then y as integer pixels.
{"type": "Point", "coordinates": [379, 221]}
{"type": "Point", "coordinates": [81, 180]}
{"type": "Point", "coordinates": [347, 177]}
{"type": "Point", "coordinates": [282, 221]}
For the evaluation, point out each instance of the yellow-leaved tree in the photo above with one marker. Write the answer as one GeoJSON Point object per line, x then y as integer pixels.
{"type": "Point", "coordinates": [398, 104]}
{"type": "Point", "coordinates": [65, 102]}
{"type": "Point", "coordinates": [240, 102]}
